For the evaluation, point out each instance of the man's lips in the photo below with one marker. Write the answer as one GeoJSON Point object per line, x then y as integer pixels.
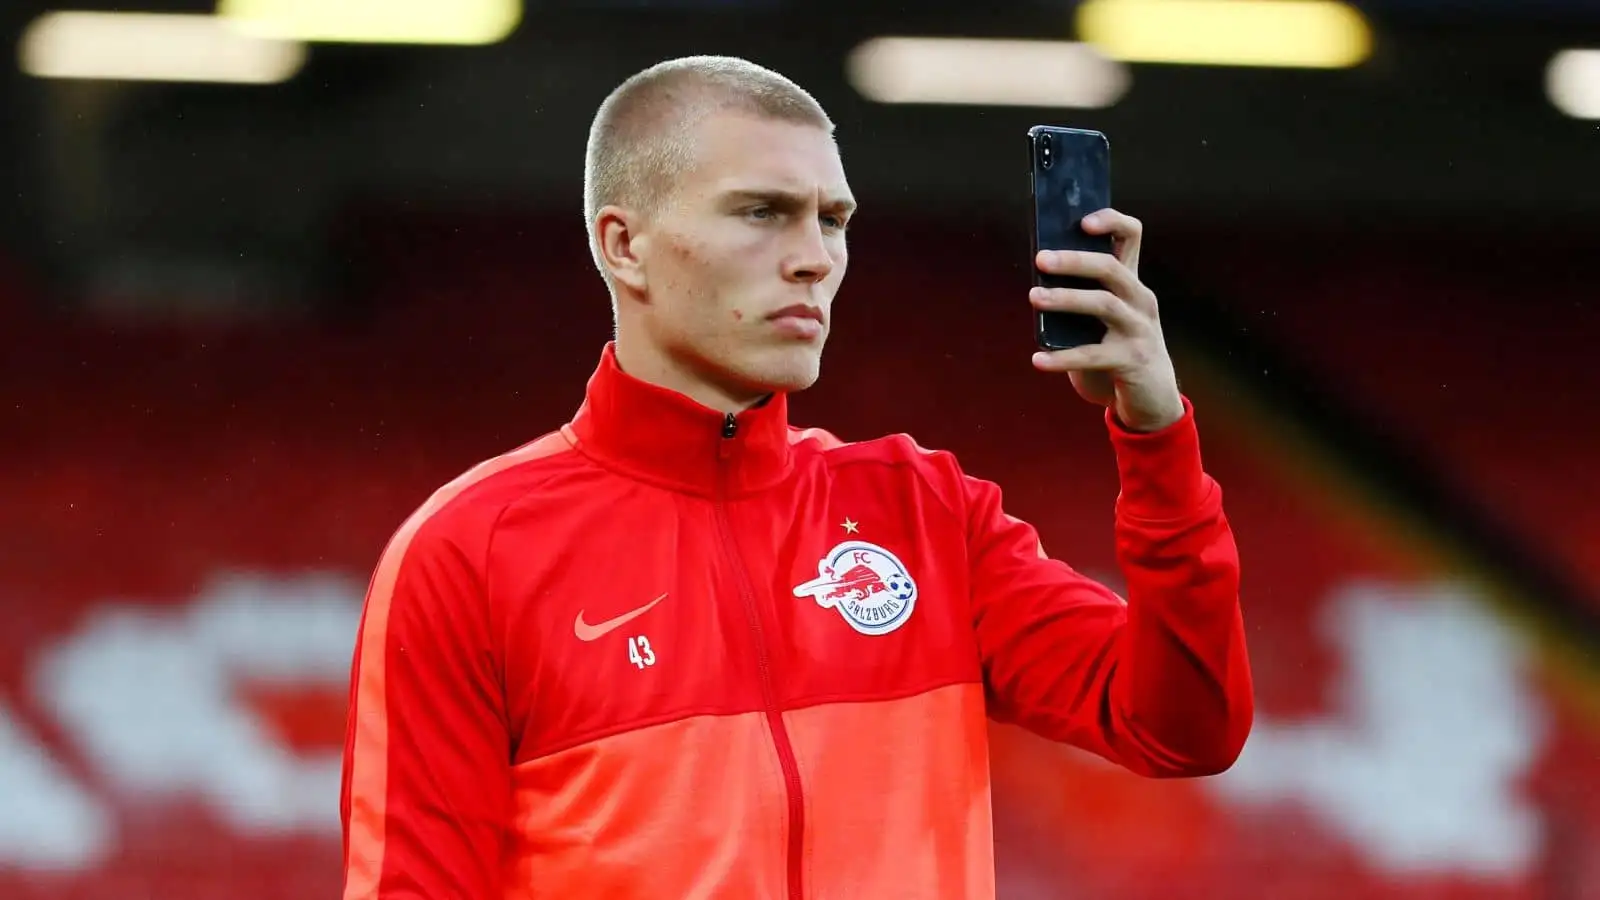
{"type": "Point", "coordinates": [800, 321]}
{"type": "Point", "coordinates": [799, 311]}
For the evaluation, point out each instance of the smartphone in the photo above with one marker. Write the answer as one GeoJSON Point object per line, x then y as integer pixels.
{"type": "Point", "coordinates": [1070, 172]}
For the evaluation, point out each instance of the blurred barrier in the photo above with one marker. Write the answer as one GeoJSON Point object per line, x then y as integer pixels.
{"type": "Point", "coordinates": [190, 519]}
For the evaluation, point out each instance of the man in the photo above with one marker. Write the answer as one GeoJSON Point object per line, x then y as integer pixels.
{"type": "Point", "coordinates": [679, 649]}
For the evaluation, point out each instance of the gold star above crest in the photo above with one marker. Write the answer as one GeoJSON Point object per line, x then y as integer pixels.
{"type": "Point", "coordinates": [850, 527]}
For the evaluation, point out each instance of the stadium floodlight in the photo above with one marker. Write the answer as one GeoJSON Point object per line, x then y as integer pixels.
{"type": "Point", "coordinates": [1306, 34]}
{"type": "Point", "coordinates": [114, 46]}
{"type": "Point", "coordinates": [1572, 81]}
{"type": "Point", "coordinates": [376, 21]}
{"type": "Point", "coordinates": [985, 72]}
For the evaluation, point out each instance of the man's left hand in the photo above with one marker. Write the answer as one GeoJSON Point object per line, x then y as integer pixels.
{"type": "Point", "coordinates": [1130, 369]}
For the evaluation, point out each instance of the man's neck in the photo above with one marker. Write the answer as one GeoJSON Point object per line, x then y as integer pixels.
{"type": "Point", "coordinates": [647, 363]}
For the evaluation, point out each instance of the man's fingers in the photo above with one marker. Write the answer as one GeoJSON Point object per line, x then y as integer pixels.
{"type": "Point", "coordinates": [1116, 224]}
{"type": "Point", "coordinates": [1104, 305]}
{"type": "Point", "coordinates": [1088, 358]}
{"type": "Point", "coordinates": [1101, 267]}
{"type": "Point", "coordinates": [1127, 234]}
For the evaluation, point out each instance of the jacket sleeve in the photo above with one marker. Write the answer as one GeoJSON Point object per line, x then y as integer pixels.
{"type": "Point", "coordinates": [1159, 684]}
{"type": "Point", "coordinates": [426, 781]}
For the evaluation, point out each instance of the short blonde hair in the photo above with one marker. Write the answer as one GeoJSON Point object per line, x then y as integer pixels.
{"type": "Point", "coordinates": [641, 140]}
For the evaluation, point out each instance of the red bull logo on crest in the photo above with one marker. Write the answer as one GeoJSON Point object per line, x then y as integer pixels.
{"type": "Point", "coordinates": [867, 584]}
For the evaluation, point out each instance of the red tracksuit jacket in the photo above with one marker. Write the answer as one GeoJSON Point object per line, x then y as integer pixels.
{"type": "Point", "coordinates": [668, 653]}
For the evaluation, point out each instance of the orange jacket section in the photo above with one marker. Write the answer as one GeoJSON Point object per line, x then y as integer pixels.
{"type": "Point", "coordinates": [695, 808]}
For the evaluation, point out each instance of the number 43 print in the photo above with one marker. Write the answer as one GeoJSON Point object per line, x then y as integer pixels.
{"type": "Point", "coordinates": [640, 652]}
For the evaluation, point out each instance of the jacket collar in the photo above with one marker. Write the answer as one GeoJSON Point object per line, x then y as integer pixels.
{"type": "Point", "coordinates": [661, 436]}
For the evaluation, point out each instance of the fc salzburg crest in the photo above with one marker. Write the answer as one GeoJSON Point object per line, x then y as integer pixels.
{"type": "Point", "coordinates": [867, 584]}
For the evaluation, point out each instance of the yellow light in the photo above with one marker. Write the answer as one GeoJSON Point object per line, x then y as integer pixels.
{"type": "Point", "coordinates": [1314, 34]}
{"type": "Point", "coordinates": [377, 21]}
{"type": "Point", "coordinates": [985, 72]}
{"type": "Point", "coordinates": [152, 47]}
{"type": "Point", "coordinates": [1572, 81]}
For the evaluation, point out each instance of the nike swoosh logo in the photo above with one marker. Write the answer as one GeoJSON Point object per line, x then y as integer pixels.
{"type": "Point", "coordinates": [587, 632]}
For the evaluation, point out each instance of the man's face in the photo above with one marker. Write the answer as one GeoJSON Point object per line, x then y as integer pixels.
{"type": "Point", "coordinates": [743, 261]}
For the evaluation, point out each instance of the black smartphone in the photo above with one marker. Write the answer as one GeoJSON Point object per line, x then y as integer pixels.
{"type": "Point", "coordinates": [1071, 178]}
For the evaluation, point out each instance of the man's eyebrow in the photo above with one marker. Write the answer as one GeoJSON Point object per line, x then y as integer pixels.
{"type": "Point", "coordinates": [779, 197]}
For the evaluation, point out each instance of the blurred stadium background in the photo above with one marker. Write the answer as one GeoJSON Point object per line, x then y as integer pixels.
{"type": "Point", "coordinates": [271, 273]}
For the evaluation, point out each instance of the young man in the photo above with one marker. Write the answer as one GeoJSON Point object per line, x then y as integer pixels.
{"type": "Point", "coordinates": [678, 648]}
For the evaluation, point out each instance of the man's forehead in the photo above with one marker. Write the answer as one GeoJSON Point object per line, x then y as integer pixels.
{"type": "Point", "coordinates": [740, 152]}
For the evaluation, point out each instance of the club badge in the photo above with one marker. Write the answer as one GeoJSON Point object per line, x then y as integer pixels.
{"type": "Point", "coordinates": [867, 584]}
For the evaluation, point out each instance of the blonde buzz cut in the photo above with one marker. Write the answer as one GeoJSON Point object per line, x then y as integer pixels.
{"type": "Point", "coordinates": [641, 141]}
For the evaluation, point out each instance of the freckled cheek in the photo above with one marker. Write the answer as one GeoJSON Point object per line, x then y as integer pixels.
{"type": "Point", "coordinates": [696, 270]}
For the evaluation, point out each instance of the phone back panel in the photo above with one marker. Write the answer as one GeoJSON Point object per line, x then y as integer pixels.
{"type": "Point", "coordinates": [1071, 171]}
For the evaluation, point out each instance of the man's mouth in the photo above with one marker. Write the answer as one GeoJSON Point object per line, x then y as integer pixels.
{"type": "Point", "coordinates": [799, 311]}
{"type": "Point", "coordinates": [800, 321]}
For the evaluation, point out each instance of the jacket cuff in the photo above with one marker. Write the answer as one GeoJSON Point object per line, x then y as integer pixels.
{"type": "Point", "coordinates": [1161, 473]}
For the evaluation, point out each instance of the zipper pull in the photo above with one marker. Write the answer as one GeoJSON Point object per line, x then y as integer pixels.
{"type": "Point", "coordinates": [730, 426]}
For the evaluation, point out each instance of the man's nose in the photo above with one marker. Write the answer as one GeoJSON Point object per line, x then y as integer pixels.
{"type": "Point", "coordinates": [809, 260]}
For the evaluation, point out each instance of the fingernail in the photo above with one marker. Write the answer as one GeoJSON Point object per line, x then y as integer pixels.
{"type": "Point", "coordinates": [1091, 219]}
{"type": "Point", "coordinates": [1041, 358]}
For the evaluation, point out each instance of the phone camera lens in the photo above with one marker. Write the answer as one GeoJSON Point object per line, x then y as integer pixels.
{"type": "Point", "coordinates": [1046, 151]}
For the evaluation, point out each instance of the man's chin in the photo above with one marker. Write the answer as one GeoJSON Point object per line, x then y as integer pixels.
{"type": "Point", "coordinates": [789, 371]}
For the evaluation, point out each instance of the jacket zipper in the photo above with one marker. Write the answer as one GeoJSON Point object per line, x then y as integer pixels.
{"type": "Point", "coordinates": [780, 732]}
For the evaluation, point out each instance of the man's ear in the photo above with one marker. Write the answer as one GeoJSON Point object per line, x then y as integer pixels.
{"type": "Point", "coordinates": [623, 247]}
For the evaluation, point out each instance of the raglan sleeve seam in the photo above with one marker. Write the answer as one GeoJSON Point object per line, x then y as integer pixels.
{"type": "Point", "coordinates": [491, 610]}
{"type": "Point", "coordinates": [948, 459]}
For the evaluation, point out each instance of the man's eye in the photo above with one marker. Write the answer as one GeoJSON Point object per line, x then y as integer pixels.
{"type": "Point", "coordinates": [835, 222]}
{"type": "Point", "coordinates": [760, 212]}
